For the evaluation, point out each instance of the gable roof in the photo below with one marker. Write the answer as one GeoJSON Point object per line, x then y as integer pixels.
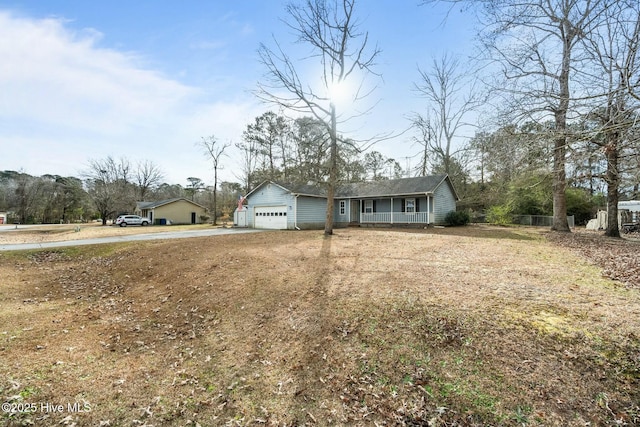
{"type": "Point", "coordinates": [156, 204]}
{"type": "Point", "coordinates": [386, 188]}
{"type": "Point", "coordinates": [313, 190]}
{"type": "Point", "coordinates": [394, 187]}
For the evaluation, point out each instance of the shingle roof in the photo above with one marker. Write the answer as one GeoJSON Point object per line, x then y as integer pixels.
{"type": "Point", "coordinates": [153, 205]}
{"type": "Point", "coordinates": [391, 187]}
{"type": "Point", "coordinates": [319, 190]}
{"type": "Point", "coordinates": [385, 188]}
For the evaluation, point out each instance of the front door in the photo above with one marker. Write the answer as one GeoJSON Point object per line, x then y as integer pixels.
{"type": "Point", "coordinates": [355, 211]}
{"type": "Point", "coordinates": [193, 217]}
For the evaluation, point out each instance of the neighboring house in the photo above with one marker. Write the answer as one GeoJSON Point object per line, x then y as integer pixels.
{"type": "Point", "coordinates": [407, 201]}
{"type": "Point", "coordinates": [3, 218]}
{"type": "Point", "coordinates": [171, 211]}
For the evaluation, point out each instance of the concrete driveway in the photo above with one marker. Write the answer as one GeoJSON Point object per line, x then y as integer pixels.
{"type": "Point", "coordinates": [129, 238]}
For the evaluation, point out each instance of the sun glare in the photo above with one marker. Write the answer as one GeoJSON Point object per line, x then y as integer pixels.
{"type": "Point", "coordinates": [339, 93]}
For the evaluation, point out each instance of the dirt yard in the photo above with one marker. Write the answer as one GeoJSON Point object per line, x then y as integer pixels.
{"type": "Point", "coordinates": [440, 327]}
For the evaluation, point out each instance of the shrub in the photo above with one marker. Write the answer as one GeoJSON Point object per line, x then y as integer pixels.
{"type": "Point", "coordinates": [581, 205]}
{"type": "Point", "coordinates": [456, 218]}
{"type": "Point", "coordinates": [500, 215]}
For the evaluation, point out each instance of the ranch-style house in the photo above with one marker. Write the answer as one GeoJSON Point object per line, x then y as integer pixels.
{"type": "Point", "coordinates": [419, 201]}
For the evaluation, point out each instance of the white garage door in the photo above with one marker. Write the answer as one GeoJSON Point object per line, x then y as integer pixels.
{"type": "Point", "coordinates": [271, 217]}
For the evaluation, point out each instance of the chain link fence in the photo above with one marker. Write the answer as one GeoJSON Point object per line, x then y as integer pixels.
{"type": "Point", "coordinates": [540, 220]}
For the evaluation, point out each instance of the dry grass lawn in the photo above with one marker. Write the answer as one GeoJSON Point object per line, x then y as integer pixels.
{"type": "Point", "coordinates": [440, 327]}
{"type": "Point", "coordinates": [58, 233]}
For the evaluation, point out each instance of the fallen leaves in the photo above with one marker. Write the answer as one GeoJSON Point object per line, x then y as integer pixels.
{"type": "Point", "coordinates": [618, 258]}
{"type": "Point", "coordinates": [384, 328]}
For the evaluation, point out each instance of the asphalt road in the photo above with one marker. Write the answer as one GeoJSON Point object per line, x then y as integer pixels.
{"type": "Point", "coordinates": [129, 238]}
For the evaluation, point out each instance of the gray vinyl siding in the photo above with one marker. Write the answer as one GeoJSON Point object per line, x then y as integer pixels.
{"type": "Point", "coordinates": [444, 202]}
{"type": "Point", "coordinates": [270, 195]}
{"type": "Point", "coordinates": [311, 212]}
{"type": "Point", "coordinates": [341, 220]}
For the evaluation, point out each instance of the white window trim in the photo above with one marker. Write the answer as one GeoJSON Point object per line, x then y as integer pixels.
{"type": "Point", "coordinates": [406, 205]}
{"type": "Point", "coordinates": [368, 205]}
{"type": "Point", "coordinates": [343, 207]}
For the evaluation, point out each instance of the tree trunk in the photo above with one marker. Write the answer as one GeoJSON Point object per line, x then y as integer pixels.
{"type": "Point", "coordinates": [333, 174]}
{"type": "Point", "coordinates": [613, 182]}
{"type": "Point", "coordinates": [560, 222]}
{"type": "Point", "coordinates": [215, 194]}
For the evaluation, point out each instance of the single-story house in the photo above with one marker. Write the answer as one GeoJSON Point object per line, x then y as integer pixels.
{"type": "Point", "coordinates": [407, 201]}
{"type": "Point", "coordinates": [171, 211]}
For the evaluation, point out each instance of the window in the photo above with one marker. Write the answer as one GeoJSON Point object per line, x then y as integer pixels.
{"type": "Point", "coordinates": [343, 207]}
{"type": "Point", "coordinates": [410, 205]}
{"type": "Point", "coordinates": [368, 206]}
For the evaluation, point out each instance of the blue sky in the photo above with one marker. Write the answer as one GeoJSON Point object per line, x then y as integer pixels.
{"type": "Point", "coordinates": [146, 80]}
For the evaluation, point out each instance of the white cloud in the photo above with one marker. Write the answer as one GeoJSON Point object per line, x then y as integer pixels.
{"type": "Point", "coordinates": [54, 76]}
{"type": "Point", "coordinates": [65, 99]}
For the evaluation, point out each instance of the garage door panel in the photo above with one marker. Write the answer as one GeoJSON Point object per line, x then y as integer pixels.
{"type": "Point", "coordinates": [271, 217]}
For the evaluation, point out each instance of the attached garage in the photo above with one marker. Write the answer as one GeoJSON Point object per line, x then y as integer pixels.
{"type": "Point", "coordinates": [270, 217]}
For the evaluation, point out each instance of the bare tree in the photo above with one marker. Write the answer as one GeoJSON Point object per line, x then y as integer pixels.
{"type": "Point", "coordinates": [536, 43]}
{"type": "Point", "coordinates": [422, 169]}
{"type": "Point", "coordinates": [329, 27]}
{"type": "Point", "coordinates": [611, 48]}
{"type": "Point", "coordinates": [147, 175]}
{"type": "Point", "coordinates": [214, 150]}
{"type": "Point", "coordinates": [630, 73]}
{"type": "Point", "coordinates": [249, 162]}
{"type": "Point", "coordinates": [109, 186]}
{"type": "Point", "coordinates": [545, 35]}
{"type": "Point", "coordinates": [452, 97]}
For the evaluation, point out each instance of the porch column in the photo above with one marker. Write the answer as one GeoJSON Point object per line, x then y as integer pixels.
{"type": "Point", "coordinates": [392, 211]}
{"type": "Point", "coordinates": [428, 209]}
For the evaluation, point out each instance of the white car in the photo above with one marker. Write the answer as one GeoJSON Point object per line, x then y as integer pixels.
{"type": "Point", "coordinates": [124, 220]}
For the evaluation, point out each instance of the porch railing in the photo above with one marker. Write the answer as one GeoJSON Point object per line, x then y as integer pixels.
{"type": "Point", "coordinates": [398, 217]}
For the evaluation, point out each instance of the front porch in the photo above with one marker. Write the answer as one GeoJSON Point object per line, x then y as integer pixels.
{"type": "Point", "coordinates": [391, 211]}
{"type": "Point", "coordinates": [395, 218]}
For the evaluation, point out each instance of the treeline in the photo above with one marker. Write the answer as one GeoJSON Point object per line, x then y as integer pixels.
{"type": "Point", "coordinates": [50, 199]}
